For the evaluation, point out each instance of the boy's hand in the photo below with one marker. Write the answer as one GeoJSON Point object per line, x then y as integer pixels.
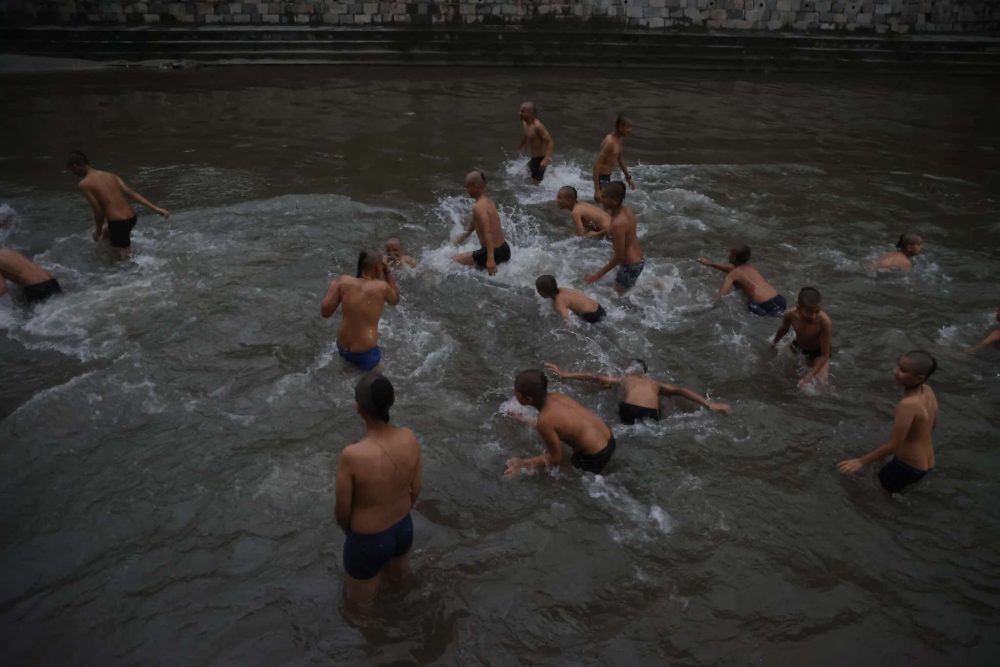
{"type": "Point", "coordinates": [513, 468]}
{"type": "Point", "coordinates": [552, 368]}
{"type": "Point", "coordinates": [704, 261]}
{"type": "Point", "coordinates": [162, 212]}
{"type": "Point", "coordinates": [592, 278]}
{"type": "Point", "coordinates": [491, 267]}
{"type": "Point", "coordinates": [850, 465]}
{"type": "Point", "coordinates": [98, 234]}
{"type": "Point", "coordinates": [804, 381]}
{"type": "Point", "coordinates": [724, 408]}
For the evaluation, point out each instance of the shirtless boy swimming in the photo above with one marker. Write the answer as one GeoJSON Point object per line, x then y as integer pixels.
{"type": "Point", "coordinates": [813, 334]}
{"type": "Point", "coordinates": [993, 338]}
{"type": "Point", "coordinates": [108, 195]}
{"type": "Point", "coordinates": [377, 484]}
{"type": "Point", "coordinates": [589, 220]}
{"type": "Point", "coordinates": [612, 154]}
{"type": "Point", "coordinates": [566, 300]}
{"type": "Point", "coordinates": [539, 141]}
{"type": "Point", "coordinates": [640, 394]}
{"type": "Point", "coordinates": [914, 423]}
{"type": "Point", "coordinates": [762, 298]}
{"type": "Point", "coordinates": [395, 257]}
{"type": "Point", "coordinates": [561, 419]}
{"type": "Point", "coordinates": [36, 283]}
{"type": "Point", "coordinates": [364, 297]}
{"type": "Point", "coordinates": [901, 259]}
{"type": "Point", "coordinates": [627, 255]}
{"type": "Point", "coordinates": [486, 223]}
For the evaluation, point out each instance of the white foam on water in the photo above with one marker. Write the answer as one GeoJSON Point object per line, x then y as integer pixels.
{"type": "Point", "coordinates": [636, 520]}
{"type": "Point", "coordinates": [59, 390]}
{"type": "Point", "coordinates": [151, 404]}
{"type": "Point", "coordinates": [9, 221]}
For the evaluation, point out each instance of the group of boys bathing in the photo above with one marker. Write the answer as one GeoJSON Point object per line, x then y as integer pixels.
{"type": "Point", "coordinates": [371, 497]}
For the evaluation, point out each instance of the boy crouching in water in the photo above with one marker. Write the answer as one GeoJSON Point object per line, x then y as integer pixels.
{"type": "Point", "coordinates": [566, 300]}
{"type": "Point", "coordinates": [910, 440]}
{"type": "Point", "coordinates": [813, 334]}
{"type": "Point", "coordinates": [561, 419]}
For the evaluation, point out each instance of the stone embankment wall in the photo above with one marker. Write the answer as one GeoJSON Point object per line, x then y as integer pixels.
{"type": "Point", "coordinates": [880, 16]}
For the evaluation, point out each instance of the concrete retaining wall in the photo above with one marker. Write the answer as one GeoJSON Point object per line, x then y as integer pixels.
{"type": "Point", "coordinates": [879, 16]}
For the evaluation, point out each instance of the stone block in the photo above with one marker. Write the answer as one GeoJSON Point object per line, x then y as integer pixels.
{"type": "Point", "coordinates": [863, 19]}
{"type": "Point", "coordinates": [840, 19]}
{"type": "Point", "coordinates": [713, 25]}
{"type": "Point", "coordinates": [370, 8]}
{"type": "Point", "coordinates": [737, 24]}
{"type": "Point", "coordinates": [346, 19]}
{"type": "Point", "coordinates": [211, 19]}
{"type": "Point", "coordinates": [883, 8]}
{"type": "Point", "coordinates": [881, 29]}
{"type": "Point", "coordinates": [775, 24]}
{"type": "Point", "coordinates": [807, 17]}
{"type": "Point", "coordinates": [151, 18]}
{"type": "Point", "coordinates": [633, 11]}
{"type": "Point", "coordinates": [823, 6]}
{"type": "Point", "coordinates": [363, 18]}
{"type": "Point", "coordinates": [242, 18]}
{"type": "Point", "coordinates": [275, 19]}
{"type": "Point", "coordinates": [783, 5]}
{"type": "Point", "coordinates": [717, 15]}
{"type": "Point", "coordinates": [658, 3]}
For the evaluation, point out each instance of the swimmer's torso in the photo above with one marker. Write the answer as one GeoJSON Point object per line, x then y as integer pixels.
{"type": "Point", "coordinates": [107, 191]}
{"type": "Point", "coordinates": [383, 469]}
{"type": "Point", "coordinates": [917, 449]}
{"type": "Point", "coordinates": [582, 430]}
{"type": "Point", "coordinates": [362, 301]}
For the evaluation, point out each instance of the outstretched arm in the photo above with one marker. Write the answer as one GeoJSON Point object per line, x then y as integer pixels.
{"type": "Point", "coordinates": [727, 285]}
{"type": "Point", "coordinates": [550, 457]}
{"type": "Point", "coordinates": [671, 390]}
{"type": "Point", "coordinates": [991, 339]}
{"type": "Point", "coordinates": [725, 268]}
{"type": "Point", "coordinates": [606, 380]}
{"type": "Point", "coordinates": [786, 324]}
{"type": "Point", "coordinates": [905, 415]}
{"type": "Point", "coordinates": [135, 196]}
{"type": "Point", "coordinates": [331, 301]}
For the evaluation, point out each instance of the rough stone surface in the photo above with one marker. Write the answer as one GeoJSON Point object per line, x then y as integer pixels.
{"type": "Point", "coordinates": [900, 16]}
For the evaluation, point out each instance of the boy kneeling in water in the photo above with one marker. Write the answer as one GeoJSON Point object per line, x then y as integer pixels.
{"type": "Point", "coordinates": [378, 481]}
{"type": "Point", "coordinates": [565, 300]}
{"type": "Point", "coordinates": [910, 440]}
{"type": "Point", "coordinates": [813, 334]}
{"type": "Point", "coordinates": [640, 394]}
{"type": "Point", "coordinates": [561, 419]}
{"type": "Point", "coordinates": [762, 298]}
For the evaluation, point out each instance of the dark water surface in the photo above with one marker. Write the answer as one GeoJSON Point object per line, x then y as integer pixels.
{"type": "Point", "coordinates": [170, 427]}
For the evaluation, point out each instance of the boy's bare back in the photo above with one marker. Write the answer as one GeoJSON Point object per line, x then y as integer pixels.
{"type": "Point", "coordinates": [384, 471]}
{"type": "Point", "coordinates": [748, 279]}
{"type": "Point", "coordinates": [809, 334]}
{"type": "Point", "coordinates": [575, 425]}
{"type": "Point", "coordinates": [107, 190]}
{"type": "Point", "coordinates": [486, 216]}
{"type": "Point", "coordinates": [917, 447]}
{"type": "Point", "coordinates": [572, 300]}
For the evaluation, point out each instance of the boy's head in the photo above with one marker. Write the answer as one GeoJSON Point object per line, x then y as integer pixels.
{"type": "Point", "coordinates": [810, 302]}
{"type": "Point", "coordinates": [910, 244]}
{"type": "Point", "coordinates": [77, 163]}
{"type": "Point", "coordinates": [475, 183]}
{"type": "Point", "coordinates": [373, 397]}
{"type": "Point", "coordinates": [613, 194]}
{"type": "Point", "coordinates": [531, 387]}
{"type": "Point", "coordinates": [527, 111]}
{"type": "Point", "coordinates": [915, 368]}
{"type": "Point", "coordinates": [546, 286]}
{"type": "Point", "coordinates": [566, 197]}
{"type": "Point", "coordinates": [393, 247]}
{"type": "Point", "coordinates": [369, 264]}
{"type": "Point", "coordinates": [636, 367]}
{"type": "Point", "coordinates": [623, 125]}
{"type": "Point", "coordinates": [739, 255]}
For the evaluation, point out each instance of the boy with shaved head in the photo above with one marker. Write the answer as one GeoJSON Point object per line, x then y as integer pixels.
{"type": "Point", "coordinates": [908, 247]}
{"type": "Point", "coordinates": [627, 255]}
{"type": "Point", "coordinates": [364, 296]}
{"type": "Point", "coordinates": [914, 423]}
{"type": "Point", "coordinates": [538, 139]}
{"type": "Point", "coordinates": [589, 220]}
{"type": "Point", "coordinates": [486, 223]}
{"type": "Point", "coordinates": [561, 419]}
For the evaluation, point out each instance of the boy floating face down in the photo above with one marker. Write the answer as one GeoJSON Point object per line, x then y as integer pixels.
{"type": "Point", "coordinates": [910, 440]}
{"type": "Point", "coordinates": [762, 298]}
{"type": "Point", "coordinates": [640, 394]}
{"type": "Point", "coordinates": [813, 334]}
{"type": "Point", "coordinates": [561, 419]}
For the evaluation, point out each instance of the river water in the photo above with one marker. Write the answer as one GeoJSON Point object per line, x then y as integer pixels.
{"type": "Point", "coordinates": [170, 427]}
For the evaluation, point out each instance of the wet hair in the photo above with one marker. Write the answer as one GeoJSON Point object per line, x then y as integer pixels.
{"type": "Point", "coordinates": [810, 297]}
{"type": "Point", "coordinates": [531, 107]}
{"type": "Point", "coordinates": [907, 238]}
{"type": "Point", "coordinates": [367, 260]}
{"type": "Point", "coordinates": [616, 190]}
{"type": "Point", "coordinates": [621, 120]}
{"type": "Point", "coordinates": [374, 395]}
{"type": "Point", "coordinates": [920, 362]}
{"type": "Point", "coordinates": [77, 159]}
{"type": "Point", "coordinates": [568, 190]}
{"type": "Point", "coordinates": [740, 254]}
{"type": "Point", "coordinates": [533, 384]}
{"type": "Point", "coordinates": [637, 362]}
{"type": "Point", "coordinates": [546, 285]}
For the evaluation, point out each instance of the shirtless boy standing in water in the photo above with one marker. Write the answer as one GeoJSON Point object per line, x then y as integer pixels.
{"type": "Point", "coordinates": [589, 220]}
{"type": "Point", "coordinates": [561, 419]}
{"type": "Point", "coordinates": [377, 484]}
{"type": "Point", "coordinates": [486, 223]}
{"type": "Point", "coordinates": [612, 154]}
{"type": "Point", "coordinates": [813, 334]}
{"type": "Point", "coordinates": [364, 298]}
{"type": "Point", "coordinates": [910, 440]}
{"type": "Point", "coordinates": [901, 259]}
{"type": "Point", "coordinates": [566, 300]}
{"type": "Point", "coordinates": [107, 195]}
{"type": "Point", "coordinates": [539, 141]}
{"type": "Point", "coordinates": [627, 255]}
{"type": "Point", "coordinates": [640, 394]}
{"type": "Point", "coordinates": [763, 299]}
{"type": "Point", "coordinates": [36, 283]}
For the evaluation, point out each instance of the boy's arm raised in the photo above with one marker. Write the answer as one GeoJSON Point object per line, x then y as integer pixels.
{"type": "Point", "coordinates": [905, 414]}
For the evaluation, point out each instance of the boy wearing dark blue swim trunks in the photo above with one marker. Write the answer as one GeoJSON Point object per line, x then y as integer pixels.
{"type": "Point", "coordinates": [627, 255]}
{"type": "Point", "coordinates": [914, 423]}
{"type": "Point", "coordinates": [377, 484]}
{"type": "Point", "coordinates": [763, 299]}
{"type": "Point", "coordinates": [561, 419]}
{"type": "Point", "coordinates": [363, 297]}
